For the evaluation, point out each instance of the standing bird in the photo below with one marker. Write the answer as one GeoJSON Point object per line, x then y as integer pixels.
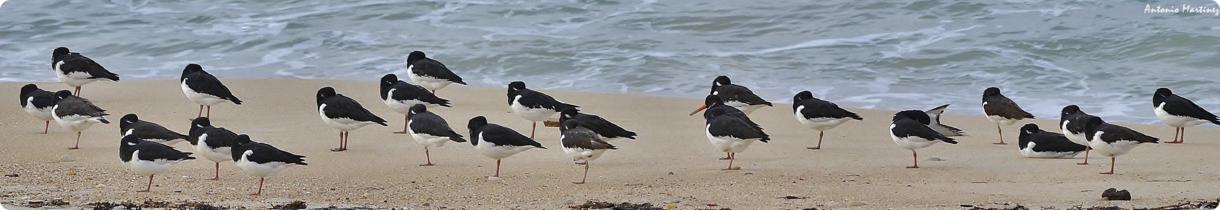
{"type": "Point", "coordinates": [1071, 123]}
{"type": "Point", "coordinates": [819, 115]}
{"type": "Point", "coordinates": [939, 127]}
{"type": "Point", "coordinates": [1036, 143]}
{"type": "Point", "coordinates": [1001, 110]}
{"type": "Point", "coordinates": [497, 142]}
{"type": "Point", "coordinates": [401, 96]}
{"type": "Point", "coordinates": [431, 74]}
{"type": "Point", "coordinates": [38, 103]}
{"type": "Point", "coordinates": [77, 70]}
{"type": "Point", "coordinates": [533, 105]}
{"type": "Point", "coordinates": [734, 95]}
{"type": "Point", "coordinates": [910, 131]}
{"type": "Point", "coordinates": [1179, 112]}
{"type": "Point", "coordinates": [604, 128]}
{"type": "Point", "coordinates": [262, 160]}
{"type": "Point", "coordinates": [343, 113]}
{"type": "Point", "coordinates": [582, 145]}
{"type": "Point", "coordinates": [204, 89]}
{"type": "Point", "coordinates": [76, 114]}
{"type": "Point", "coordinates": [148, 158]}
{"type": "Point", "coordinates": [430, 130]}
{"type": "Point", "coordinates": [1113, 140]}
{"type": "Point", "coordinates": [730, 130]}
{"type": "Point", "coordinates": [131, 125]}
{"type": "Point", "coordinates": [214, 143]}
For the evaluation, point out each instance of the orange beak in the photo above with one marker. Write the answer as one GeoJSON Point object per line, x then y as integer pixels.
{"type": "Point", "coordinates": [701, 108]}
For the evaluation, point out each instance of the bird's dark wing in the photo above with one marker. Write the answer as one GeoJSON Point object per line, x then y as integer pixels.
{"type": "Point", "coordinates": [205, 83]}
{"type": "Point", "coordinates": [1004, 107]}
{"type": "Point", "coordinates": [907, 127]}
{"type": "Point", "coordinates": [727, 125]}
{"type": "Point", "coordinates": [1176, 105]}
{"type": "Point", "coordinates": [500, 135]}
{"type": "Point", "coordinates": [535, 99]}
{"type": "Point", "coordinates": [42, 99]}
{"type": "Point", "coordinates": [75, 62]}
{"type": "Point", "coordinates": [340, 106]}
{"type": "Point", "coordinates": [220, 137]}
{"type": "Point", "coordinates": [153, 151]}
{"type": "Point", "coordinates": [1112, 133]}
{"type": "Point", "coordinates": [433, 124]}
{"type": "Point", "coordinates": [583, 138]}
{"type": "Point", "coordinates": [1075, 124]}
{"type": "Point", "coordinates": [408, 91]}
{"type": "Point", "coordinates": [1054, 142]}
{"type": "Point", "coordinates": [264, 153]}
{"type": "Point", "coordinates": [817, 108]}
{"type": "Point", "coordinates": [149, 130]}
{"type": "Point", "coordinates": [602, 126]}
{"type": "Point", "coordinates": [435, 69]}
{"type": "Point", "coordinates": [733, 92]}
{"type": "Point", "coordinates": [78, 106]}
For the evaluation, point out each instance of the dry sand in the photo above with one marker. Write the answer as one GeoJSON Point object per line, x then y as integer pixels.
{"type": "Point", "coordinates": [671, 163]}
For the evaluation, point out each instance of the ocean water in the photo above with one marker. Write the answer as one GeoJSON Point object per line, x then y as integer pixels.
{"type": "Point", "coordinates": [1106, 56]}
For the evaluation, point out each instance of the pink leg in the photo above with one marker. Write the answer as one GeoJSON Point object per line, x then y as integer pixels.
{"type": "Point", "coordinates": [77, 142]}
{"type": "Point", "coordinates": [405, 119]}
{"type": "Point", "coordinates": [427, 157]}
{"type": "Point", "coordinates": [583, 177]}
{"type": "Point", "coordinates": [915, 159]}
{"type": "Point", "coordinates": [200, 114]}
{"type": "Point", "coordinates": [1086, 156]}
{"type": "Point", "coordinates": [532, 129]}
{"type": "Point", "coordinates": [149, 187]}
{"type": "Point", "coordinates": [77, 92]}
{"type": "Point", "coordinates": [497, 168]}
{"type": "Point", "coordinates": [260, 186]}
{"type": "Point", "coordinates": [46, 126]}
{"type": "Point", "coordinates": [209, 111]}
{"type": "Point", "coordinates": [217, 177]}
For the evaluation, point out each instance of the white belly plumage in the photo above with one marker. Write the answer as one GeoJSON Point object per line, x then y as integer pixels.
{"type": "Point", "coordinates": [220, 154]}
{"type": "Point", "coordinates": [1030, 153]}
{"type": "Point", "coordinates": [1001, 120]}
{"type": "Point", "coordinates": [582, 155]}
{"type": "Point", "coordinates": [43, 114]}
{"type": "Point", "coordinates": [1078, 138]}
{"type": "Point", "coordinates": [403, 106]}
{"type": "Point", "coordinates": [910, 142]}
{"type": "Point", "coordinates": [259, 170]}
{"type": "Point", "coordinates": [426, 139]}
{"type": "Point", "coordinates": [343, 124]}
{"type": "Point", "coordinates": [1174, 120]}
{"type": "Point", "coordinates": [76, 123]}
{"type": "Point", "coordinates": [1117, 148]}
{"type": "Point", "coordinates": [531, 114]}
{"type": "Point", "coordinates": [430, 83]}
{"type": "Point", "coordinates": [728, 143]}
{"type": "Point", "coordinates": [200, 98]}
{"type": "Point", "coordinates": [145, 167]}
{"type": "Point", "coordinates": [74, 79]}
{"type": "Point", "coordinates": [819, 124]}
{"type": "Point", "coordinates": [498, 152]}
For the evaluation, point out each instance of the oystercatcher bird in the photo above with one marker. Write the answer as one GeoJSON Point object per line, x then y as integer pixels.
{"type": "Point", "coordinates": [910, 131]}
{"type": "Point", "coordinates": [939, 127]}
{"type": "Point", "coordinates": [204, 89]}
{"type": "Point", "coordinates": [263, 160]}
{"type": "Point", "coordinates": [730, 130]}
{"type": "Point", "coordinates": [148, 158]}
{"type": "Point", "coordinates": [1179, 112]}
{"type": "Point", "coordinates": [1113, 140]}
{"type": "Point", "coordinates": [131, 125]}
{"type": "Point", "coordinates": [1001, 110]}
{"type": "Point", "coordinates": [343, 113]}
{"type": "Point", "coordinates": [214, 143]}
{"type": "Point", "coordinates": [582, 145]}
{"type": "Point", "coordinates": [533, 105]}
{"type": "Point", "coordinates": [819, 115]}
{"type": "Point", "coordinates": [736, 96]}
{"type": "Point", "coordinates": [401, 96]}
{"type": "Point", "coordinates": [497, 142]}
{"type": "Point", "coordinates": [77, 70]}
{"type": "Point", "coordinates": [605, 129]}
{"type": "Point", "coordinates": [76, 114]}
{"type": "Point", "coordinates": [431, 74]}
{"type": "Point", "coordinates": [1071, 122]}
{"type": "Point", "coordinates": [38, 103]}
{"type": "Point", "coordinates": [429, 130]}
{"type": "Point", "coordinates": [1036, 143]}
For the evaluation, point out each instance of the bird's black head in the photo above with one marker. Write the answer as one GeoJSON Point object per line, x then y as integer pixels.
{"type": "Point", "coordinates": [516, 86]}
{"type": "Point", "coordinates": [200, 122]}
{"type": "Point", "coordinates": [1160, 95]}
{"type": "Point", "coordinates": [130, 140]}
{"type": "Point", "coordinates": [801, 96]}
{"type": "Point", "coordinates": [418, 108]}
{"type": "Point", "coordinates": [27, 89]}
{"type": "Point", "coordinates": [415, 56]}
{"type": "Point", "coordinates": [59, 53]}
{"type": "Point", "coordinates": [721, 80]}
{"type": "Point", "coordinates": [991, 91]}
{"type": "Point", "coordinates": [474, 125]}
{"type": "Point", "coordinates": [1090, 126]}
{"type": "Point", "coordinates": [242, 139]}
{"type": "Point", "coordinates": [568, 125]}
{"type": "Point", "coordinates": [63, 94]}
{"type": "Point", "coordinates": [1030, 129]}
{"type": "Point", "coordinates": [190, 69]}
{"type": "Point", "coordinates": [128, 119]}
{"type": "Point", "coordinates": [713, 113]}
{"type": "Point", "coordinates": [389, 79]}
{"type": "Point", "coordinates": [1163, 92]}
{"type": "Point", "coordinates": [712, 100]}
{"type": "Point", "coordinates": [916, 115]}
{"type": "Point", "coordinates": [568, 114]}
{"type": "Point", "coordinates": [325, 93]}
{"type": "Point", "coordinates": [1069, 110]}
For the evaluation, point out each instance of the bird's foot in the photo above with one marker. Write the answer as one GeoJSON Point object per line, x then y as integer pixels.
{"type": "Point", "coordinates": [912, 166]}
{"type": "Point", "coordinates": [581, 182]}
{"type": "Point", "coordinates": [1083, 164]}
{"type": "Point", "coordinates": [726, 158]}
{"type": "Point", "coordinates": [813, 148]}
{"type": "Point", "coordinates": [141, 190]}
{"type": "Point", "coordinates": [400, 132]}
{"type": "Point", "coordinates": [338, 149]}
{"type": "Point", "coordinates": [1173, 142]}
{"type": "Point", "coordinates": [73, 148]}
{"type": "Point", "coordinates": [732, 169]}
{"type": "Point", "coordinates": [1000, 143]}
{"type": "Point", "coordinates": [214, 179]}
{"type": "Point", "coordinates": [255, 194]}
{"type": "Point", "coordinates": [582, 163]}
{"type": "Point", "coordinates": [427, 164]}
{"type": "Point", "coordinates": [1107, 173]}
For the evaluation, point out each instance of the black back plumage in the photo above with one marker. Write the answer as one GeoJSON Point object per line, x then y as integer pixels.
{"type": "Point", "coordinates": [424, 66]}
{"type": "Point", "coordinates": [915, 123]}
{"type": "Point", "coordinates": [1179, 106]}
{"type": "Point", "coordinates": [149, 151]}
{"type": "Point", "coordinates": [42, 99]}
{"type": "Point", "coordinates": [575, 136]}
{"type": "Point", "coordinates": [264, 153]}
{"type": "Point", "coordinates": [818, 108]}
{"type": "Point", "coordinates": [339, 106]}
{"type": "Point", "coordinates": [724, 122]}
{"type": "Point", "coordinates": [997, 104]}
{"type": "Point", "coordinates": [407, 91]}
{"type": "Point", "coordinates": [595, 123]}
{"type": "Point", "coordinates": [724, 87]}
{"type": "Point", "coordinates": [146, 130]}
{"type": "Point", "coordinates": [714, 102]}
{"type": "Point", "coordinates": [203, 82]}
{"type": "Point", "coordinates": [496, 134]}
{"type": "Point", "coordinates": [1046, 141]}
{"type": "Point", "coordinates": [534, 99]}
{"type": "Point", "coordinates": [422, 121]}
{"type": "Point", "coordinates": [75, 62]}
{"type": "Point", "coordinates": [74, 105]}
{"type": "Point", "coordinates": [1113, 133]}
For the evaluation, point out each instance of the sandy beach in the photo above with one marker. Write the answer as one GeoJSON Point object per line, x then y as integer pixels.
{"type": "Point", "coordinates": [671, 162]}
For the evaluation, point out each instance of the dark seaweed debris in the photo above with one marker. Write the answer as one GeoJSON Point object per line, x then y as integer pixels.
{"type": "Point", "coordinates": [294, 205]}
{"type": "Point", "coordinates": [619, 206]}
{"type": "Point", "coordinates": [155, 204]}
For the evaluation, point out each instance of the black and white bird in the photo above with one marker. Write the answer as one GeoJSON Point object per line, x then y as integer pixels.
{"type": "Point", "coordinates": [131, 125]}
{"type": "Point", "coordinates": [429, 130]}
{"type": "Point", "coordinates": [582, 145]}
{"type": "Point", "coordinates": [819, 115]}
{"type": "Point", "coordinates": [76, 114]}
{"type": "Point", "coordinates": [1179, 112]}
{"type": "Point", "coordinates": [1001, 110]}
{"type": "Point", "coordinates": [204, 89]}
{"type": "Point", "coordinates": [263, 160]}
{"type": "Point", "coordinates": [148, 158]}
{"type": "Point", "coordinates": [401, 96]}
{"type": "Point", "coordinates": [77, 70]}
{"type": "Point", "coordinates": [1071, 123]}
{"type": "Point", "coordinates": [1113, 140]}
{"type": "Point", "coordinates": [910, 131]}
{"type": "Point", "coordinates": [38, 103]}
{"type": "Point", "coordinates": [730, 130]}
{"type": "Point", "coordinates": [428, 73]}
{"type": "Point", "coordinates": [497, 142]}
{"type": "Point", "coordinates": [1036, 143]}
{"type": "Point", "coordinates": [735, 96]}
{"type": "Point", "coordinates": [343, 113]}
{"type": "Point", "coordinates": [533, 105]}
{"type": "Point", "coordinates": [939, 127]}
{"type": "Point", "coordinates": [214, 143]}
{"type": "Point", "coordinates": [605, 129]}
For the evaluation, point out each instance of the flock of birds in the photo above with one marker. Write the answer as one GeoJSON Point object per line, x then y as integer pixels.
{"type": "Point", "coordinates": [144, 146]}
